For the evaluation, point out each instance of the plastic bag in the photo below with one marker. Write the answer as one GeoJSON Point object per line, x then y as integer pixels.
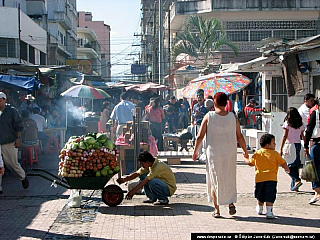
{"type": "Point", "coordinates": [75, 198]}
{"type": "Point", "coordinates": [308, 172]}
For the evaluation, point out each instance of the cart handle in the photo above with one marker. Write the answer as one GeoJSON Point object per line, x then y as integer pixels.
{"type": "Point", "coordinates": [49, 173]}
{"type": "Point", "coordinates": [49, 179]}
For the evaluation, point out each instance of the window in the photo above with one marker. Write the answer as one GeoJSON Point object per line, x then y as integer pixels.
{"type": "Point", "coordinates": [259, 35]}
{"type": "Point", "coordinates": [23, 51]}
{"type": "Point", "coordinates": [32, 58]}
{"type": "Point", "coordinates": [103, 55]}
{"type": "Point", "coordinates": [279, 97]}
{"type": "Point", "coordinates": [238, 36]}
{"type": "Point", "coordinates": [43, 58]}
{"type": "Point", "coordinates": [8, 47]}
{"type": "Point", "coordinates": [306, 33]}
{"type": "Point", "coordinates": [287, 34]}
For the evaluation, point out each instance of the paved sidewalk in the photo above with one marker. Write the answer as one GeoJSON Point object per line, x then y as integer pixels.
{"type": "Point", "coordinates": [40, 212]}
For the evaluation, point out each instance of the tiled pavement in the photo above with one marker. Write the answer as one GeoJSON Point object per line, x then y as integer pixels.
{"type": "Point", "coordinates": [40, 212]}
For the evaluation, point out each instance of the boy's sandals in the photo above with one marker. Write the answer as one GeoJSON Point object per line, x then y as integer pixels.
{"type": "Point", "coordinates": [216, 214]}
{"type": "Point", "coordinates": [232, 209]}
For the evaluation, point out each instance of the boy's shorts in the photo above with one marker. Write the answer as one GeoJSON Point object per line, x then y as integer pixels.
{"type": "Point", "coordinates": [266, 191]}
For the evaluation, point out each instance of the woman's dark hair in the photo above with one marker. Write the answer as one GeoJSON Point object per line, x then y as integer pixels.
{"type": "Point", "coordinates": [293, 118]}
{"type": "Point", "coordinates": [220, 99]}
{"type": "Point", "coordinates": [156, 103]}
{"type": "Point", "coordinates": [266, 139]}
{"type": "Point", "coordinates": [145, 157]}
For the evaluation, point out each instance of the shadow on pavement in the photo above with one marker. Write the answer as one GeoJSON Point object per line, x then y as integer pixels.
{"type": "Point", "coordinates": [282, 220]}
{"type": "Point", "coordinates": [174, 209]}
{"type": "Point", "coordinates": [190, 177]}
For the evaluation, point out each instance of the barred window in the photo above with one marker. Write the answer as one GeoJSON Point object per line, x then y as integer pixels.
{"type": "Point", "coordinates": [287, 34]}
{"type": "Point", "coordinates": [8, 47]}
{"type": "Point", "coordinates": [238, 36]}
{"type": "Point", "coordinates": [306, 33]}
{"type": "Point", "coordinates": [279, 95]}
{"type": "Point", "coordinates": [259, 35]}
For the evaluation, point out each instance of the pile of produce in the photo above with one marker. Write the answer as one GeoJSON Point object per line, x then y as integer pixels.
{"type": "Point", "coordinates": [91, 155]}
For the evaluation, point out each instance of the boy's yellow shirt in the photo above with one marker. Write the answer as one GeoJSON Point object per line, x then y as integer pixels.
{"type": "Point", "coordinates": [162, 171]}
{"type": "Point", "coordinates": [266, 162]}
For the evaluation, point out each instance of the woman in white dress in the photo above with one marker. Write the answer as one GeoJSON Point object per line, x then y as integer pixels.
{"type": "Point", "coordinates": [222, 131]}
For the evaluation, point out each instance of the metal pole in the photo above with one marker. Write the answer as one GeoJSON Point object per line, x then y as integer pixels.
{"type": "Point", "coordinates": [160, 41]}
{"type": "Point", "coordinates": [19, 32]}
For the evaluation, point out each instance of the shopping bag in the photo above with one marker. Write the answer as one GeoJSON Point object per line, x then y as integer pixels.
{"type": "Point", "coordinates": [309, 172]}
{"type": "Point", "coordinates": [289, 152]}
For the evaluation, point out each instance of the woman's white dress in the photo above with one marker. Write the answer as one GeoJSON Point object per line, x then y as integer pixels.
{"type": "Point", "coordinates": [221, 151]}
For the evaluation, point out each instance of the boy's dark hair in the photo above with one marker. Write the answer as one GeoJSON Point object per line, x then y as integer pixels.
{"type": "Point", "coordinates": [308, 96]}
{"type": "Point", "coordinates": [266, 139]}
{"type": "Point", "coordinates": [145, 157]}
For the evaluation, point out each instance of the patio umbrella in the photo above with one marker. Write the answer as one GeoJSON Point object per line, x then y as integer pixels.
{"type": "Point", "coordinates": [228, 83]}
{"type": "Point", "coordinates": [83, 91]}
{"type": "Point", "coordinates": [105, 94]}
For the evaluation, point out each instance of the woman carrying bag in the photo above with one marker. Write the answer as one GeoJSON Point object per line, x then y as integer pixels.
{"type": "Point", "coordinates": [313, 132]}
{"type": "Point", "coordinates": [291, 145]}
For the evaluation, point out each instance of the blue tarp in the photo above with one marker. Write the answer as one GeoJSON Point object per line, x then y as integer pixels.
{"type": "Point", "coordinates": [22, 83]}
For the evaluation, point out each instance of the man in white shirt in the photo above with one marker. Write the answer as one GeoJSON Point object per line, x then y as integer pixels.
{"type": "Point", "coordinates": [305, 107]}
{"type": "Point", "coordinates": [41, 124]}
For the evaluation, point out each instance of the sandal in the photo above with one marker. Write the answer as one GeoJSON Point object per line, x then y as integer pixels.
{"type": "Point", "coordinates": [232, 210]}
{"type": "Point", "coordinates": [314, 200]}
{"type": "Point", "coordinates": [216, 214]}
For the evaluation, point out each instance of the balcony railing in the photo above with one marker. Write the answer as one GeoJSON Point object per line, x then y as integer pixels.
{"type": "Point", "coordinates": [62, 18]}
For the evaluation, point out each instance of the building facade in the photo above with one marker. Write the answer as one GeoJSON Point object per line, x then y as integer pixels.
{"type": "Point", "coordinates": [22, 41]}
{"type": "Point", "coordinates": [102, 30]}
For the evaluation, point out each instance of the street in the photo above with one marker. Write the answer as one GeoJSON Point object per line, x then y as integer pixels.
{"type": "Point", "coordinates": [40, 212]}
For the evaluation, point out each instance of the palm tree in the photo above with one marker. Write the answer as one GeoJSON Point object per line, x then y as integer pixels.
{"type": "Point", "coordinates": [201, 38]}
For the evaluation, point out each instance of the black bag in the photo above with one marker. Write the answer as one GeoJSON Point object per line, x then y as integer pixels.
{"type": "Point", "coordinates": [242, 117]}
{"type": "Point", "coordinates": [186, 135]}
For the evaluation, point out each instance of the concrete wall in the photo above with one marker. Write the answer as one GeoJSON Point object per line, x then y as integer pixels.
{"type": "Point", "coordinates": [15, 4]}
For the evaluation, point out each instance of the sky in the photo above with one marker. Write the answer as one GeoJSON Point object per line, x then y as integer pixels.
{"type": "Point", "coordinates": [123, 16]}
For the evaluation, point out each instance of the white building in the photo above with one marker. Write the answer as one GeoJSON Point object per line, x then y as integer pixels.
{"type": "Point", "coordinates": [89, 49]}
{"type": "Point", "coordinates": [28, 47]}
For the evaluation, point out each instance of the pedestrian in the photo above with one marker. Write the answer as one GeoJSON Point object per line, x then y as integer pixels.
{"type": "Point", "coordinates": [155, 115]}
{"type": "Point", "coordinates": [222, 131]}
{"type": "Point", "coordinates": [28, 104]}
{"type": "Point", "coordinates": [251, 112]}
{"type": "Point", "coordinates": [291, 145]}
{"type": "Point", "coordinates": [104, 117]}
{"type": "Point", "coordinates": [122, 113]}
{"type": "Point", "coordinates": [156, 178]}
{"type": "Point", "coordinates": [266, 162]}
{"type": "Point", "coordinates": [315, 152]}
{"type": "Point", "coordinates": [1, 164]}
{"type": "Point", "coordinates": [10, 139]}
{"type": "Point", "coordinates": [305, 107]}
{"type": "Point", "coordinates": [41, 124]}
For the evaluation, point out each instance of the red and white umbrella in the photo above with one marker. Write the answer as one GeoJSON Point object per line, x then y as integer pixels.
{"type": "Point", "coordinates": [83, 91]}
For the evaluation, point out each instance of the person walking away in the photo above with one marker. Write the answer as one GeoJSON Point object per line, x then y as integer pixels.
{"type": "Point", "coordinates": [41, 124]}
{"type": "Point", "coordinates": [122, 113]}
{"type": "Point", "coordinates": [176, 105]}
{"type": "Point", "coordinates": [305, 107]}
{"type": "Point", "coordinates": [266, 162]}
{"type": "Point", "coordinates": [1, 164]}
{"type": "Point", "coordinates": [155, 115]}
{"type": "Point", "coordinates": [251, 112]}
{"type": "Point", "coordinates": [10, 139]}
{"type": "Point", "coordinates": [315, 153]}
{"type": "Point", "coordinates": [222, 131]}
{"type": "Point", "coordinates": [156, 178]}
{"type": "Point", "coordinates": [104, 117]}
{"type": "Point", "coordinates": [198, 113]}
{"type": "Point", "coordinates": [291, 145]}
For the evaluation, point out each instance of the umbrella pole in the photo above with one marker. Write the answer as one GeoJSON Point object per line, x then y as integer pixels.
{"type": "Point", "coordinates": [66, 114]}
{"type": "Point", "coordinates": [91, 105]}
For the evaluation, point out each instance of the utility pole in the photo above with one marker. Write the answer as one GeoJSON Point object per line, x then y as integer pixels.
{"type": "Point", "coordinates": [19, 30]}
{"type": "Point", "coordinates": [161, 63]}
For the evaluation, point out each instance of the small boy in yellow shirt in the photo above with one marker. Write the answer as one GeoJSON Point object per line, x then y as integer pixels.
{"type": "Point", "coordinates": [266, 162]}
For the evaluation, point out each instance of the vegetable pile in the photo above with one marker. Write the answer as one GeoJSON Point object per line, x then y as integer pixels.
{"type": "Point", "coordinates": [91, 155]}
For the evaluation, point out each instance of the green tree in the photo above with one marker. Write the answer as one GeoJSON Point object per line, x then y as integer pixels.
{"type": "Point", "coordinates": [201, 38]}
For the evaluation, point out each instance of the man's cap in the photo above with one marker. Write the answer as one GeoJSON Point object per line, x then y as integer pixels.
{"type": "Point", "coordinates": [3, 95]}
{"type": "Point", "coordinates": [200, 92]}
{"type": "Point", "coordinates": [252, 100]}
{"type": "Point", "coordinates": [29, 97]}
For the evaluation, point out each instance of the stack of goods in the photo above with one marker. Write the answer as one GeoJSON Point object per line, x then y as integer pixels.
{"type": "Point", "coordinates": [91, 155]}
{"type": "Point", "coordinates": [128, 135]}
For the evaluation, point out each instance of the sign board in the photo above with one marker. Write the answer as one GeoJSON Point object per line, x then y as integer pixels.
{"type": "Point", "coordinates": [138, 69]}
{"type": "Point", "coordinates": [84, 65]}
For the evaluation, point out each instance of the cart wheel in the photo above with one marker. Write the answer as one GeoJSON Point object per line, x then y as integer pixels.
{"type": "Point", "coordinates": [112, 195]}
